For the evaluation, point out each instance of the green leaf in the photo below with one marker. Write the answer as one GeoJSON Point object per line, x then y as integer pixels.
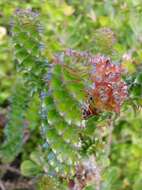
{"type": "Point", "coordinates": [136, 90]}
{"type": "Point", "coordinates": [139, 78]}
{"type": "Point", "coordinates": [29, 168]}
{"type": "Point", "coordinates": [14, 130]}
{"type": "Point", "coordinates": [111, 175]}
{"type": "Point", "coordinates": [138, 184]}
{"type": "Point", "coordinates": [90, 187]}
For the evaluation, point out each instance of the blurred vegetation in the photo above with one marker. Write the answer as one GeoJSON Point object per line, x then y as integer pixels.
{"type": "Point", "coordinates": [78, 24]}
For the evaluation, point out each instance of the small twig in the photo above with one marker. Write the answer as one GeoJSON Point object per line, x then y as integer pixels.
{"type": "Point", "coordinates": [2, 186]}
{"type": "Point", "coordinates": [19, 184]}
{"type": "Point", "coordinates": [6, 167]}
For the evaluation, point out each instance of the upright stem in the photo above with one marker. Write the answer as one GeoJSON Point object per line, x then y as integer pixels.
{"type": "Point", "coordinates": [98, 174]}
{"type": "Point", "coordinates": [109, 142]}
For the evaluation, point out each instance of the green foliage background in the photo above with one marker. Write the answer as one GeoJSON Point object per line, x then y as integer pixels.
{"type": "Point", "coordinates": [74, 24]}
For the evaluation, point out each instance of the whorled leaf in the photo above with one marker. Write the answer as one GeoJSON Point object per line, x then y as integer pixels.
{"type": "Point", "coordinates": [14, 130]}
{"type": "Point", "coordinates": [27, 38]}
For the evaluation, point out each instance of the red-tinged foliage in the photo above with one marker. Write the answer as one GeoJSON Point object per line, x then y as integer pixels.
{"type": "Point", "coordinates": [109, 91]}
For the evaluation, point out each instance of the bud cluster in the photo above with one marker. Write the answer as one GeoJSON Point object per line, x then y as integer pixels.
{"type": "Point", "coordinates": [108, 89]}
